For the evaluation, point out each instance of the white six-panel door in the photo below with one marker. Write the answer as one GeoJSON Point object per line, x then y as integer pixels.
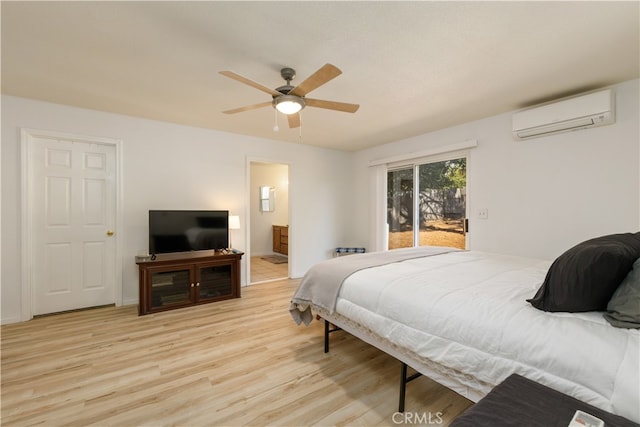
{"type": "Point", "coordinates": [73, 213]}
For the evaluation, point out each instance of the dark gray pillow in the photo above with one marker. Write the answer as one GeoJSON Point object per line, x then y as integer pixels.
{"type": "Point", "coordinates": [623, 310]}
{"type": "Point", "coordinates": [585, 277]}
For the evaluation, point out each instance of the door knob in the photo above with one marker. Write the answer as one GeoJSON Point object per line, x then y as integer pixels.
{"type": "Point", "coordinates": [109, 233]}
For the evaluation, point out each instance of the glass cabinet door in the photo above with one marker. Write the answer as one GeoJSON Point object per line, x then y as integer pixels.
{"type": "Point", "coordinates": [171, 287]}
{"type": "Point", "coordinates": [215, 281]}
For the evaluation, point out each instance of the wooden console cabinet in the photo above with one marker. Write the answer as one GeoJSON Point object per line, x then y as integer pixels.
{"type": "Point", "coordinates": [184, 279]}
{"type": "Point", "coordinates": [281, 239]}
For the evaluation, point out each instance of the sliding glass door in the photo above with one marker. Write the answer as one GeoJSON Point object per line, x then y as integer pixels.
{"type": "Point", "coordinates": [400, 190]}
{"type": "Point", "coordinates": [426, 204]}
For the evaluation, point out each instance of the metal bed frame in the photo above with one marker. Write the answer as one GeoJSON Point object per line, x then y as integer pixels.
{"type": "Point", "coordinates": [329, 328]}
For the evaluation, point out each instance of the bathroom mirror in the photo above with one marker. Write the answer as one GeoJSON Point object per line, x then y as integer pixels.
{"type": "Point", "coordinates": [267, 199]}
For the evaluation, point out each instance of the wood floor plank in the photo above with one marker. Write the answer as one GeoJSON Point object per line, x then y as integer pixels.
{"type": "Point", "coordinates": [235, 362]}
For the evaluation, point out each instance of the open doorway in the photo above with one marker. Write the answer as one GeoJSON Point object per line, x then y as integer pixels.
{"type": "Point", "coordinates": [269, 222]}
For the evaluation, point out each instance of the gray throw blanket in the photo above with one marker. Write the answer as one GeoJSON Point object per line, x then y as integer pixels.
{"type": "Point", "coordinates": [322, 283]}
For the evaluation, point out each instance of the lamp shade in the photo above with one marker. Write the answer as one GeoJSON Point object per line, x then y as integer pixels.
{"type": "Point", "coordinates": [234, 222]}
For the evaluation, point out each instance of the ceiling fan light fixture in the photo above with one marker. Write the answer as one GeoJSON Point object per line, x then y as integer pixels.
{"type": "Point", "coordinates": [288, 104]}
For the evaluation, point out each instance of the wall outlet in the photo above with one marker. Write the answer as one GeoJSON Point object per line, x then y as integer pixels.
{"type": "Point", "coordinates": [483, 213]}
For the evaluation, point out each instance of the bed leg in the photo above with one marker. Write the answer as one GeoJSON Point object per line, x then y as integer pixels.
{"type": "Point", "coordinates": [326, 336]}
{"type": "Point", "coordinates": [327, 331]}
{"type": "Point", "coordinates": [403, 385]}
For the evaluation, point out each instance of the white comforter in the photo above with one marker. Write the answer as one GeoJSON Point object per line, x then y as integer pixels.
{"type": "Point", "coordinates": [467, 311]}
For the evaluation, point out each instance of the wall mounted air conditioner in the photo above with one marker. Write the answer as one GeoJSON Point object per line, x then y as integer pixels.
{"type": "Point", "coordinates": [580, 112]}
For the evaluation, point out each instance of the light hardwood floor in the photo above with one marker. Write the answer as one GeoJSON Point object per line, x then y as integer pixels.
{"type": "Point", "coordinates": [264, 271]}
{"type": "Point", "coordinates": [235, 362]}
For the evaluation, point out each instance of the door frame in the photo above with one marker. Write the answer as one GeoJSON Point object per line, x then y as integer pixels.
{"type": "Point", "coordinates": [378, 178]}
{"type": "Point", "coordinates": [248, 195]}
{"type": "Point", "coordinates": [27, 203]}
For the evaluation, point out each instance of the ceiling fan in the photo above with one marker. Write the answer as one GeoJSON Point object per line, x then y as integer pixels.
{"type": "Point", "coordinates": [289, 99]}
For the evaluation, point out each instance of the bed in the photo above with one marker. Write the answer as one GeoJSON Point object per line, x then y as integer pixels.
{"type": "Point", "coordinates": [463, 319]}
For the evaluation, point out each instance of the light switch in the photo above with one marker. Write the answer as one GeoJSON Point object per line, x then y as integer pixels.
{"type": "Point", "coordinates": [483, 213]}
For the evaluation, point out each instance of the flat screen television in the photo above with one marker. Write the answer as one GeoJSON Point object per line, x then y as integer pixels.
{"type": "Point", "coordinates": [183, 231]}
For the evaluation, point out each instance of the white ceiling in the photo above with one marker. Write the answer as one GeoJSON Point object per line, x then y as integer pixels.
{"type": "Point", "coordinates": [413, 67]}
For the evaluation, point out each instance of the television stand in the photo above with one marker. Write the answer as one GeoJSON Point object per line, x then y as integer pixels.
{"type": "Point", "coordinates": [185, 279]}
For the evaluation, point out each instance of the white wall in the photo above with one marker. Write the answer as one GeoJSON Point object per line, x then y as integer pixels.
{"type": "Point", "coordinates": [543, 195]}
{"type": "Point", "coordinates": [270, 175]}
{"type": "Point", "coordinates": [168, 166]}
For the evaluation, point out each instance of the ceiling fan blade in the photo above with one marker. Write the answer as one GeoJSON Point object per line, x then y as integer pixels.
{"type": "Point", "coordinates": [249, 82]}
{"type": "Point", "coordinates": [324, 74]}
{"type": "Point", "coordinates": [332, 105]}
{"type": "Point", "coordinates": [294, 120]}
{"type": "Point", "coordinates": [248, 108]}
